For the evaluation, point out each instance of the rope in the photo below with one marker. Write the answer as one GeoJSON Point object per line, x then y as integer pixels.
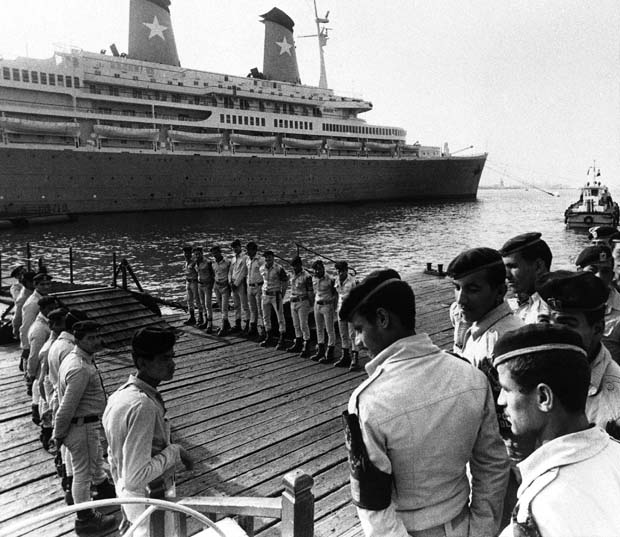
{"type": "Point", "coordinates": [299, 245]}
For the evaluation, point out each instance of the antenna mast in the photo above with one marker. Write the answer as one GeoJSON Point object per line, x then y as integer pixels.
{"type": "Point", "coordinates": [321, 33]}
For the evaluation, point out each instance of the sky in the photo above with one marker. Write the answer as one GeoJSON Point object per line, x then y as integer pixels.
{"type": "Point", "coordinates": [536, 84]}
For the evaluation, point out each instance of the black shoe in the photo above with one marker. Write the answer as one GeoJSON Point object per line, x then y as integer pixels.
{"type": "Point", "coordinates": [355, 362]}
{"type": "Point", "coordinates": [191, 321]}
{"type": "Point", "coordinates": [345, 359]}
{"type": "Point", "coordinates": [225, 329]}
{"type": "Point", "coordinates": [305, 350]}
{"type": "Point", "coordinates": [319, 354]}
{"type": "Point", "coordinates": [246, 329]}
{"type": "Point", "coordinates": [45, 437]}
{"type": "Point", "coordinates": [104, 491]}
{"type": "Point", "coordinates": [237, 328]}
{"type": "Point", "coordinates": [92, 522]}
{"type": "Point", "coordinates": [296, 346]}
{"type": "Point", "coordinates": [36, 418]}
{"type": "Point", "coordinates": [281, 343]}
{"type": "Point", "coordinates": [266, 341]}
{"type": "Point", "coordinates": [253, 331]}
{"type": "Point", "coordinates": [329, 356]}
{"type": "Point", "coordinates": [200, 320]}
{"type": "Point", "coordinates": [209, 327]}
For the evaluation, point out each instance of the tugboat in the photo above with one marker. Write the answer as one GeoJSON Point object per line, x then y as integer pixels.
{"type": "Point", "coordinates": [594, 208]}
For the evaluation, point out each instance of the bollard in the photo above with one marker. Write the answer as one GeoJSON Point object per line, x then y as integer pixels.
{"type": "Point", "coordinates": [429, 267]}
{"type": "Point", "coordinates": [440, 268]}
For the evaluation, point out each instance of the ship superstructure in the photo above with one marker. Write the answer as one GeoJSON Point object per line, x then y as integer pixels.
{"type": "Point", "coordinates": [74, 127]}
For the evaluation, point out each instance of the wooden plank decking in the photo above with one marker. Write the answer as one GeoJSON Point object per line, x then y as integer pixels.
{"type": "Point", "coordinates": [248, 415]}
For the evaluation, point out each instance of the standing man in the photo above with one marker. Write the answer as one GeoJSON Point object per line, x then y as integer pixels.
{"type": "Point", "coordinates": [238, 284]}
{"type": "Point", "coordinates": [527, 259]}
{"type": "Point", "coordinates": [571, 483]}
{"type": "Point", "coordinates": [302, 298]}
{"type": "Point", "coordinates": [42, 286]}
{"type": "Point", "coordinates": [27, 290]}
{"type": "Point", "coordinates": [577, 300]}
{"type": "Point", "coordinates": [16, 288]}
{"type": "Point", "coordinates": [325, 292]}
{"type": "Point", "coordinates": [599, 261]}
{"type": "Point", "coordinates": [206, 279]}
{"type": "Point", "coordinates": [423, 416]}
{"type": "Point", "coordinates": [82, 401]}
{"type": "Point", "coordinates": [479, 280]}
{"type": "Point", "coordinates": [38, 334]}
{"type": "Point", "coordinates": [255, 289]}
{"type": "Point", "coordinates": [350, 354]}
{"type": "Point", "coordinates": [221, 268]}
{"type": "Point", "coordinates": [191, 285]}
{"type": "Point", "coordinates": [141, 455]}
{"type": "Point", "coordinates": [275, 282]}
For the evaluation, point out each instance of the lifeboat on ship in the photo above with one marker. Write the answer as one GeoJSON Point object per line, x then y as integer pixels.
{"type": "Point", "coordinates": [30, 126]}
{"type": "Point", "coordinates": [195, 140]}
{"type": "Point", "coordinates": [343, 145]}
{"type": "Point", "coordinates": [246, 141]}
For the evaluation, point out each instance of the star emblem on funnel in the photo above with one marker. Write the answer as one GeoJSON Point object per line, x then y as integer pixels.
{"type": "Point", "coordinates": [156, 28]}
{"type": "Point", "coordinates": [285, 46]}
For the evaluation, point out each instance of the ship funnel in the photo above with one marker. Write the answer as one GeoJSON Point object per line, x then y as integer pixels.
{"type": "Point", "coordinates": [279, 60]}
{"type": "Point", "coordinates": [151, 38]}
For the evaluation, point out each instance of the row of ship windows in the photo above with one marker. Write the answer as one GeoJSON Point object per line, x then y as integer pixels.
{"type": "Point", "coordinates": [362, 129]}
{"type": "Point", "coordinates": [244, 120]}
{"type": "Point", "coordinates": [36, 77]}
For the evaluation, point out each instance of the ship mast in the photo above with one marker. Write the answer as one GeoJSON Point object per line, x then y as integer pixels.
{"type": "Point", "coordinates": [321, 34]}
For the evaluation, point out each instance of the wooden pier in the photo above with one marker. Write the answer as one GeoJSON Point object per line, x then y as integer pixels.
{"type": "Point", "coordinates": [247, 414]}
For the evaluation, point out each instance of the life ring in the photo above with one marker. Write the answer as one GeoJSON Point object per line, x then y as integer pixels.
{"type": "Point", "coordinates": [587, 220]}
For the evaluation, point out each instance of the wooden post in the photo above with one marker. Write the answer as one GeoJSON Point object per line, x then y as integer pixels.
{"type": "Point", "coordinates": [124, 274]}
{"type": "Point", "coordinates": [297, 505]}
{"type": "Point", "coordinates": [28, 256]}
{"type": "Point", "coordinates": [0, 269]}
{"type": "Point", "coordinates": [71, 264]}
{"type": "Point", "coordinates": [113, 269]}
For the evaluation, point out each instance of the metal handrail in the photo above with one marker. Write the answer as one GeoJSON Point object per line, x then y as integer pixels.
{"type": "Point", "coordinates": [152, 502]}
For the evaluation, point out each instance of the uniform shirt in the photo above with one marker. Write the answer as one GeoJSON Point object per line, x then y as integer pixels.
{"type": "Point", "coordinates": [301, 285]}
{"type": "Point", "coordinates": [532, 310]}
{"type": "Point", "coordinates": [138, 433]}
{"type": "Point", "coordinates": [204, 271]}
{"type": "Point", "coordinates": [189, 269]}
{"type": "Point", "coordinates": [58, 351]}
{"type": "Point", "coordinates": [344, 288]}
{"type": "Point", "coordinates": [44, 353]}
{"type": "Point", "coordinates": [19, 305]}
{"type": "Point", "coordinates": [603, 403]}
{"type": "Point", "coordinates": [30, 309]}
{"type": "Point", "coordinates": [571, 486]}
{"type": "Point", "coordinates": [323, 287]}
{"type": "Point", "coordinates": [238, 269]}
{"type": "Point", "coordinates": [37, 336]}
{"type": "Point", "coordinates": [80, 390]}
{"type": "Point", "coordinates": [425, 414]}
{"type": "Point", "coordinates": [274, 278]}
{"type": "Point", "coordinates": [221, 269]}
{"type": "Point", "coordinates": [15, 291]}
{"type": "Point", "coordinates": [611, 335]}
{"type": "Point", "coordinates": [481, 336]}
{"type": "Point", "coordinates": [253, 265]}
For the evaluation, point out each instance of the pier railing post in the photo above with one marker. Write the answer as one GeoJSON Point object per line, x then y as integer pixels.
{"type": "Point", "coordinates": [71, 264]}
{"type": "Point", "coordinates": [297, 505]}
{"type": "Point", "coordinates": [113, 269]}
{"type": "Point", "coordinates": [28, 257]}
{"type": "Point", "coordinates": [124, 274]}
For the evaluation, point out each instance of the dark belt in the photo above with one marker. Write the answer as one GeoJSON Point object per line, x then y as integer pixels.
{"type": "Point", "coordinates": [206, 282]}
{"type": "Point", "coordinates": [85, 419]}
{"type": "Point", "coordinates": [191, 281]}
{"type": "Point", "coordinates": [255, 284]}
{"type": "Point", "coordinates": [271, 293]}
{"type": "Point", "coordinates": [324, 302]}
{"type": "Point", "coordinates": [299, 298]}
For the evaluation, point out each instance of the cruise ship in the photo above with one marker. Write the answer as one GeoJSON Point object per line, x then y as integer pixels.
{"type": "Point", "coordinates": [85, 132]}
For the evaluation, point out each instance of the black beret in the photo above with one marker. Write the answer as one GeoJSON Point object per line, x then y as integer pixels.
{"type": "Point", "coordinates": [152, 340]}
{"type": "Point", "coordinates": [29, 276]}
{"type": "Point", "coordinates": [369, 286]}
{"type": "Point", "coordinates": [473, 260]}
{"type": "Point", "coordinates": [577, 291]}
{"type": "Point", "coordinates": [251, 245]}
{"type": "Point", "coordinates": [537, 339]}
{"type": "Point", "coordinates": [42, 277]}
{"type": "Point", "coordinates": [57, 314]}
{"type": "Point", "coordinates": [268, 252]}
{"type": "Point", "coordinates": [600, 232]}
{"type": "Point", "coordinates": [234, 243]}
{"type": "Point", "coordinates": [520, 242]}
{"type": "Point", "coordinates": [86, 327]}
{"type": "Point", "coordinates": [296, 260]}
{"type": "Point", "coordinates": [215, 248]}
{"type": "Point", "coordinates": [16, 270]}
{"type": "Point", "coordinates": [341, 265]}
{"type": "Point", "coordinates": [197, 249]}
{"type": "Point", "coordinates": [318, 263]}
{"type": "Point", "coordinates": [187, 248]}
{"type": "Point", "coordinates": [593, 255]}
{"type": "Point", "coordinates": [46, 301]}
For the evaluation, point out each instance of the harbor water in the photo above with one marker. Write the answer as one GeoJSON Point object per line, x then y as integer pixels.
{"type": "Point", "coordinates": [404, 236]}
